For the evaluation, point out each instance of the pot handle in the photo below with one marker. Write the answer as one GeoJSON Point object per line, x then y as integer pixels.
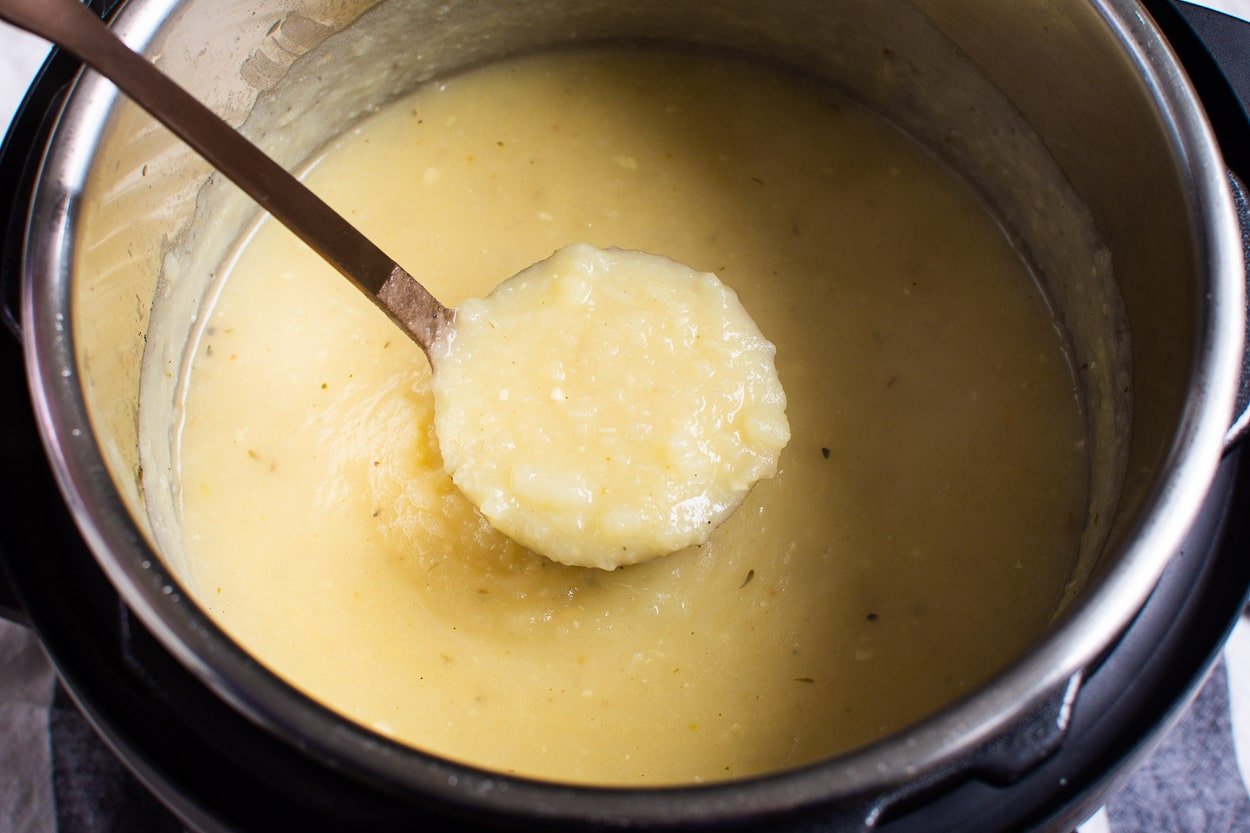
{"type": "Point", "coordinates": [1228, 116]}
{"type": "Point", "coordinates": [20, 155]}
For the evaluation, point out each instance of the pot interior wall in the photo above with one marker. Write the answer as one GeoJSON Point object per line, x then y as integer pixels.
{"type": "Point", "coordinates": [1082, 176]}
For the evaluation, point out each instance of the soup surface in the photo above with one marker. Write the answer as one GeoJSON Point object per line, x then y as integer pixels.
{"type": "Point", "coordinates": [915, 538]}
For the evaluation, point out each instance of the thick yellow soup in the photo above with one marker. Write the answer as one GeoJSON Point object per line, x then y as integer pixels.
{"type": "Point", "coordinates": [916, 536]}
{"type": "Point", "coordinates": [605, 406]}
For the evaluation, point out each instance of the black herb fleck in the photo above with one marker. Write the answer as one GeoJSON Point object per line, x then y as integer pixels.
{"type": "Point", "coordinates": [872, 617]}
{"type": "Point", "coordinates": [824, 452]}
{"type": "Point", "coordinates": [804, 680]}
{"type": "Point", "coordinates": [747, 580]}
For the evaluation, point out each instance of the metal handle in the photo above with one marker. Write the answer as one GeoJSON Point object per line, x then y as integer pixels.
{"type": "Point", "coordinates": [70, 25]}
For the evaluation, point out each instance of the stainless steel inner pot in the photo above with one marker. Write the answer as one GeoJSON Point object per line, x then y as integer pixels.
{"type": "Point", "coordinates": [1072, 118]}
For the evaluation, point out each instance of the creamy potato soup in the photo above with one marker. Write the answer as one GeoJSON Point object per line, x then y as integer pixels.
{"type": "Point", "coordinates": [606, 406]}
{"type": "Point", "coordinates": [915, 538]}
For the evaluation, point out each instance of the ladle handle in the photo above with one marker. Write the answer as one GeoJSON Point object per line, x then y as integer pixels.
{"type": "Point", "coordinates": [72, 26]}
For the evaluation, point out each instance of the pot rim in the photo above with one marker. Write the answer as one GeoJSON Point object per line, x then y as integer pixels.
{"type": "Point", "coordinates": [861, 778]}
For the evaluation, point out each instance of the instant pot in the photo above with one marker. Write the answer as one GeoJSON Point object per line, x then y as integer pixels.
{"type": "Point", "coordinates": [230, 748]}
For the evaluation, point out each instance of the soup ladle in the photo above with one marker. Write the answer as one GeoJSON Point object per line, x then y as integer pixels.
{"type": "Point", "coordinates": [546, 495]}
